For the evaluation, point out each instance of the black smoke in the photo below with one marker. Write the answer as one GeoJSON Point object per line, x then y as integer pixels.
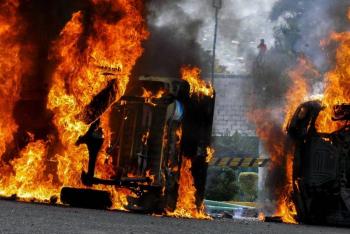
{"type": "Point", "coordinates": [172, 43]}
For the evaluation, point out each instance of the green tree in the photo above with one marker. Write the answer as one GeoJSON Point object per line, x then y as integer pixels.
{"type": "Point", "coordinates": [248, 185]}
{"type": "Point", "coordinates": [221, 184]}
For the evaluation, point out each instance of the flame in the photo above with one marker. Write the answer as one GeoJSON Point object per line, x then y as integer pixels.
{"type": "Point", "coordinates": [336, 92]}
{"type": "Point", "coordinates": [20, 175]}
{"type": "Point", "coordinates": [186, 203]}
{"type": "Point", "coordinates": [299, 89]}
{"type": "Point", "coordinates": [273, 134]}
{"type": "Point", "coordinates": [145, 137]}
{"type": "Point", "coordinates": [261, 216]}
{"type": "Point", "coordinates": [296, 94]}
{"type": "Point", "coordinates": [337, 84]}
{"type": "Point", "coordinates": [149, 95]}
{"type": "Point", "coordinates": [285, 206]}
{"type": "Point", "coordinates": [113, 46]}
{"type": "Point", "coordinates": [88, 58]}
{"type": "Point", "coordinates": [29, 169]}
{"type": "Point", "coordinates": [210, 154]}
{"type": "Point", "coordinates": [197, 85]}
{"type": "Point", "coordinates": [11, 70]}
{"type": "Point", "coordinates": [150, 176]}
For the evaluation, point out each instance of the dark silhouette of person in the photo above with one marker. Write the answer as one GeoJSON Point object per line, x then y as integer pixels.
{"type": "Point", "coordinates": [262, 47]}
{"type": "Point", "coordinates": [262, 51]}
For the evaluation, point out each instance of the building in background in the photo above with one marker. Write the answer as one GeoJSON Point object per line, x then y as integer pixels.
{"type": "Point", "coordinates": [233, 135]}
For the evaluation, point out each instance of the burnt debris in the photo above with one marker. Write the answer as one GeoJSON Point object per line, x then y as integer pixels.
{"type": "Point", "coordinates": [321, 167]}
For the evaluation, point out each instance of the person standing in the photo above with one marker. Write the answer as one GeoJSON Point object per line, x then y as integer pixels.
{"type": "Point", "coordinates": [262, 51]}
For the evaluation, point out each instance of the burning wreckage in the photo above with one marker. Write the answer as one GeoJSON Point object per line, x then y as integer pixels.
{"type": "Point", "coordinates": [309, 173]}
{"type": "Point", "coordinates": [153, 125]}
{"type": "Point", "coordinates": [159, 148]}
{"type": "Point", "coordinates": [321, 167]}
{"type": "Point", "coordinates": [89, 140]}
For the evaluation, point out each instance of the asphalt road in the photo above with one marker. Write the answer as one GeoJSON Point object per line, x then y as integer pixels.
{"type": "Point", "coordinates": [18, 217]}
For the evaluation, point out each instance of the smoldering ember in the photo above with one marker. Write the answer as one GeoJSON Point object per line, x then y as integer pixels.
{"type": "Point", "coordinates": [163, 116]}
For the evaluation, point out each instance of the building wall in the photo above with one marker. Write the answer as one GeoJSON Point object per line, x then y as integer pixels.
{"type": "Point", "coordinates": [230, 115]}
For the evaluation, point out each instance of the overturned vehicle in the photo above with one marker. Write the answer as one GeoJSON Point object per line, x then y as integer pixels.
{"type": "Point", "coordinates": [153, 126]}
{"type": "Point", "coordinates": [321, 168]}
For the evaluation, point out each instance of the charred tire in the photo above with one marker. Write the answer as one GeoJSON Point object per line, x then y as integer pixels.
{"type": "Point", "coordinates": [86, 198]}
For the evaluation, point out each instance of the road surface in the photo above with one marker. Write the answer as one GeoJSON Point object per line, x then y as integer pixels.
{"type": "Point", "coordinates": [16, 217]}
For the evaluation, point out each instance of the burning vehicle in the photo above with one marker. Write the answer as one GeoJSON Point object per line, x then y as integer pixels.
{"type": "Point", "coordinates": [321, 167]}
{"type": "Point", "coordinates": [320, 133]}
{"type": "Point", "coordinates": [308, 177]}
{"type": "Point", "coordinates": [93, 135]}
{"type": "Point", "coordinates": [155, 124]}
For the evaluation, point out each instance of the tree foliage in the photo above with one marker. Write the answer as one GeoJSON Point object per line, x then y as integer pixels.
{"type": "Point", "coordinates": [221, 184]}
{"type": "Point", "coordinates": [248, 184]}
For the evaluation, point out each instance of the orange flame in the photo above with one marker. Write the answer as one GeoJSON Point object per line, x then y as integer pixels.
{"type": "Point", "coordinates": [261, 216]}
{"type": "Point", "coordinates": [87, 60]}
{"type": "Point", "coordinates": [149, 94]}
{"type": "Point", "coordinates": [285, 206]}
{"type": "Point", "coordinates": [337, 84]}
{"type": "Point", "coordinates": [29, 169]}
{"type": "Point", "coordinates": [197, 85]}
{"type": "Point", "coordinates": [336, 92]}
{"type": "Point", "coordinates": [274, 136]}
{"type": "Point", "coordinates": [114, 47]}
{"type": "Point", "coordinates": [186, 203]}
{"type": "Point", "coordinates": [296, 94]}
{"type": "Point", "coordinates": [299, 89]}
{"type": "Point", "coordinates": [11, 70]}
{"type": "Point", "coordinates": [210, 154]}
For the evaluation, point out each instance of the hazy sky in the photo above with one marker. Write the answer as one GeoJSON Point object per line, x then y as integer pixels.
{"type": "Point", "coordinates": [242, 24]}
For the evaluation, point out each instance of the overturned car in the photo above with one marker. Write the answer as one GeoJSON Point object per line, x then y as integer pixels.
{"type": "Point", "coordinates": [153, 126]}
{"type": "Point", "coordinates": [321, 167]}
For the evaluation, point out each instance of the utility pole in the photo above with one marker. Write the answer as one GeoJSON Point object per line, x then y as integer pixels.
{"type": "Point", "coordinates": [217, 4]}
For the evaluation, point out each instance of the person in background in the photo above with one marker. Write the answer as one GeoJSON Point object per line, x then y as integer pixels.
{"type": "Point", "coordinates": [262, 47]}
{"type": "Point", "coordinates": [262, 51]}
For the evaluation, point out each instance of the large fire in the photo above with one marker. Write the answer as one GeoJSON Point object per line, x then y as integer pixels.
{"type": "Point", "coordinates": [12, 67]}
{"type": "Point", "coordinates": [336, 92]}
{"type": "Point", "coordinates": [114, 47]}
{"type": "Point", "coordinates": [273, 134]}
{"type": "Point", "coordinates": [88, 57]}
{"type": "Point", "coordinates": [186, 206]}
{"type": "Point", "coordinates": [10, 75]}
{"type": "Point", "coordinates": [297, 93]}
{"type": "Point", "coordinates": [337, 84]}
{"type": "Point", "coordinates": [97, 48]}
